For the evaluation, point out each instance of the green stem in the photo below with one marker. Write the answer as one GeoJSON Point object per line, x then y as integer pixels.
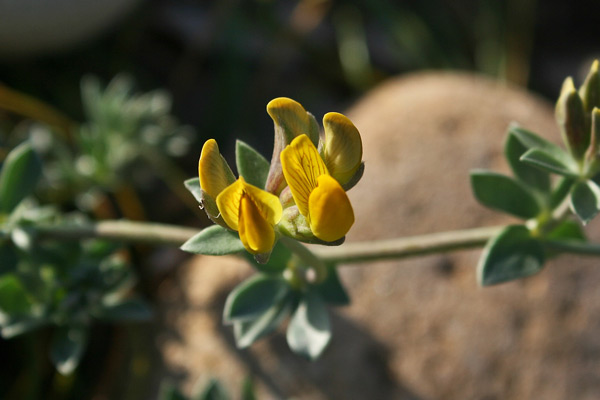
{"type": "Point", "coordinates": [307, 256]}
{"type": "Point", "coordinates": [142, 232]}
{"type": "Point", "coordinates": [573, 246]}
{"type": "Point", "coordinates": [408, 246]}
{"type": "Point", "coordinates": [122, 230]}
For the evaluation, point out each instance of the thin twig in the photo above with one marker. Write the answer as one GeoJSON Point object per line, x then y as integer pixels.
{"type": "Point", "coordinates": [130, 231]}
{"type": "Point", "coordinates": [143, 232]}
{"type": "Point", "coordinates": [122, 230]}
{"type": "Point", "coordinates": [407, 246]}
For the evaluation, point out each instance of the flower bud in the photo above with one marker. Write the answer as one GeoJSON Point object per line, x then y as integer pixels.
{"type": "Point", "coordinates": [295, 225]}
{"type": "Point", "coordinates": [215, 175]}
{"type": "Point", "coordinates": [590, 90]}
{"type": "Point", "coordinates": [570, 117]}
{"type": "Point", "coordinates": [592, 153]}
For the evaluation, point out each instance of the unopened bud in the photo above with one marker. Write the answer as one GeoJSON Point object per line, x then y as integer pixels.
{"type": "Point", "coordinates": [295, 225]}
{"type": "Point", "coordinates": [595, 136]}
{"type": "Point", "coordinates": [570, 117]}
{"type": "Point", "coordinates": [590, 90]}
{"type": "Point", "coordinates": [342, 148]}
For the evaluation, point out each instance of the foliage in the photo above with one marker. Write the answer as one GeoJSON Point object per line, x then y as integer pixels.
{"type": "Point", "coordinates": [66, 286]}
{"type": "Point", "coordinates": [213, 390]}
{"type": "Point", "coordinates": [521, 250]}
{"type": "Point", "coordinates": [115, 145]}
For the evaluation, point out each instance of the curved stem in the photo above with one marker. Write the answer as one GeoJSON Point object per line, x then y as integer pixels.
{"type": "Point", "coordinates": [143, 232]}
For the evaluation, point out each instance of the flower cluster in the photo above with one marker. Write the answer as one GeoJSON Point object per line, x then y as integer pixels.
{"type": "Point", "coordinates": [304, 193]}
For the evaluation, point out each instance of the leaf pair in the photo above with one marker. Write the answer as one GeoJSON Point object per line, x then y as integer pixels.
{"type": "Point", "coordinates": [260, 304]}
{"type": "Point", "coordinates": [529, 194]}
{"type": "Point", "coordinates": [518, 251]}
{"type": "Point", "coordinates": [514, 253]}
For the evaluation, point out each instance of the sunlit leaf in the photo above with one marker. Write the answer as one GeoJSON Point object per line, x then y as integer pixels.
{"type": "Point", "coordinates": [309, 330]}
{"type": "Point", "coordinates": [214, 241]}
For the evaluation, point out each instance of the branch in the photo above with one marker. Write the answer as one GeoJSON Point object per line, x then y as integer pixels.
{"type": "Point", "coordinates": [143, 232]}
{"type": "Point", "coordinates": [122, 230]}
{"type": "Point", "coordinates": [408, 246]}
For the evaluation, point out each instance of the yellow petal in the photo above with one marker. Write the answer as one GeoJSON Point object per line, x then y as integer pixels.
{"type": "Point", "coordinates": [342, 149]}
{"type": "Point", "coordinates": [302, 165]}
{"type": "Point", "coordinates": [331, 214]}
{"type": "Point", "coordinates": [213, 171]}
{"type": "Point", "coordinates": [290, 116]}
{"type": "Point", "coordinates": [256, 233]}
{"type": "Point", "coordinates": [267, 203]}
{"type": "Point", "coordinates": [229, 203]}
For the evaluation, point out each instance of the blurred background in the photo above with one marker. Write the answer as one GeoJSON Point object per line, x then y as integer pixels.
{"type": "Point", "coordinates": [118, 96]}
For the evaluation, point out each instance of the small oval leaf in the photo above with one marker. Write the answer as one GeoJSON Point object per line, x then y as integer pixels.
{"type": "Point", "coordinates": [514, 148]}
{"type": "Point", "coordinates": [253, 297]}
{"type": "Point", "coordinates": [20, 173]}
{"type": "Point", "coordinates": [503, 193]}
{"type": "Point", "coordinates": [193, 185]}
{"type": "Point", "coordinates": [511, 254]}
{"type": "Point", "coordinates": [585, 200]}
{"type": "Point", "coordinates": [247, 332]}
{"type": "Point", "coordinates": [214, 241]}
{"type": "Point", "coordinates": [309, 330]}
{"type": "Point", "coordinates": [558, 162]}
{"type": "Point", "coordinates": [251, 164]}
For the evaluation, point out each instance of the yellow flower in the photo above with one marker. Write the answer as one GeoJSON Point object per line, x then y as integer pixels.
{"type": "Point", "coordinates": [239, 205]}
{"type": "Point", "coordinates": [319, 197]}
{"type": "Point", "coordinates": [252, 212]}
{"type": "Point", "coordinates": [291, 120]}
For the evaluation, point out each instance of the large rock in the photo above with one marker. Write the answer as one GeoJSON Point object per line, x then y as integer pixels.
{"type": "Point", "coordinates": [418, 328]}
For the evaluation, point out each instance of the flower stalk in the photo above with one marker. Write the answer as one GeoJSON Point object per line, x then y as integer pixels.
{"type": "Point", "coordinates": [348, 253]}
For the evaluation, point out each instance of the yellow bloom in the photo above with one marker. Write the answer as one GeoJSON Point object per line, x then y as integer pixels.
{"type": "Point", "coordinates": [291, 120]}
{"type": "Point", "coordinates": [252, 212]}
{"type": "Point", "coordinates": [213, 171]}
{"type": "Point", "coordinates": [238, 205]}
{"type": "Point", "coordinates": [319, 197]}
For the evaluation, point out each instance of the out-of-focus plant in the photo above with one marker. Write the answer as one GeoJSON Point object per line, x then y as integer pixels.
{"type": "Point", "coordinates": [124, 133]}
{"type": "Point", "coordinates": [63, 285]}
{"type": "Point", "coordinates": [213, 390]}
